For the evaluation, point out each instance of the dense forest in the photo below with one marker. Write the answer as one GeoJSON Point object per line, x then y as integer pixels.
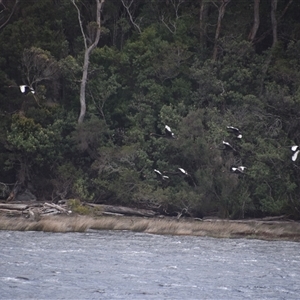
{"type": "Point", "coordinates": [101, 79]}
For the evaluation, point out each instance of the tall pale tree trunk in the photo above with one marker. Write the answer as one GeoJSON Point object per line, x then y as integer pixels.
{"type": "Point", "coordinates": [87, 54]}
{"type": "Point", "coordinates": [256, 21]}
{"type": "Point", "coordinates": [221, 8]}
{"type": "Point", "coordinates": [277, 20]}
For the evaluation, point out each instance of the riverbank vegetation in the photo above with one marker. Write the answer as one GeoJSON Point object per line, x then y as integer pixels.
{"type": "Point", "coordinates": [196, 66]}
{"type": "Point", "coordinates": [253, 229]}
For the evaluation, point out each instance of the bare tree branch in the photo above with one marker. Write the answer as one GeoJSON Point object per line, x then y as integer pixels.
{"type": "Point", "coordinates": [39, 65]}
{"type": "Point", "coordinates": [9, 17]}
{"type": "Point", "coordinates": [221, 9]}
{"type": "Point", "coordinates": [168, 27]}
{"type": "Point", "coordinates": [130, 15]}
{"type": "Point", "coordinates": [176, 6]}
{"type": "Point", "coordinates": [80, 24]}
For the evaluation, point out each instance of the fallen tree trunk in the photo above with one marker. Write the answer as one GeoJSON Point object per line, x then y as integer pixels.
{"type": "Point", "coordinates": [112, 214]}
{"type": "Point", "coordinates": [124, 210]}
{"type": "Point", "coordinates": [11, 212]}
{"type": "Point", "coordinates": [13, 206]}
{"type": "Point", "coordinates": [57, 207]}
{"type": "Point", "coordinates": [32, 210]}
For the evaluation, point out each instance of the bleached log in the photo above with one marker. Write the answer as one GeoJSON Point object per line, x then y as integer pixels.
{"type": "Point", "coordinates": [112, 214]}
{"type": "Point", "coordinates": [282, 217]}
{"type": "Point", "coordinates": [50, 213]}
{"type": "Point", "coordinates": [13, 206]}
{"type": "Point", "coordinates": [31, 214]}
{"type": "Point", "coordinates": [11, 212]}
{"type": "Point", "coordinates": [123, 210]}
{"type": "Point", "coordinates": [56, 207]}
{"type": "Point", "coordinates": [34, 214]}
{"type": "Point", "coordinates": [36, 204]}
{"type": "Point", "coordinates": [50, 210]}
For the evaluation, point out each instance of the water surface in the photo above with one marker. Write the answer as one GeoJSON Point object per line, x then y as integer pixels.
{"type": "Point", "coordinates": [128, 265]}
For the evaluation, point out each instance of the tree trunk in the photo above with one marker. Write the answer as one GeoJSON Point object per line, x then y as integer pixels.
{"type": "Point", "coordinates": [87, 53]}
{"type": "Point", "coordinates": [256, 21]}
{"type": "Point", "coordinates": [83, 85]}
{"type": "Point", "coordinates": [123, 210]}
{"type": "Point", "coordinates": [13, 206]}
{"type": "Point", "coordinates": [266, 33]}
{"type": "Point", "coordinates": [221, 9]}
{"type": "Point", "coordinates": [274, 21]}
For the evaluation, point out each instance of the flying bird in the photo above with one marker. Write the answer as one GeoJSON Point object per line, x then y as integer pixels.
{"type": "Point", "coordinates": [25, 89]}
{"type": "Point", "coordinates": [160, 175]}
{"type": "Point", "coordinates": [235, 131]}
{"type": "Point", "coordinates": [228, 147]}
{"type": "Point", "coordinates": [296, 150]}
{"type": "Point", "coordinates": [182, 172]}
{"type": "Point", "coordinates": [187, 176]}
{"type": "Point", "coordinates": [238, 170]}
{"type": "Point", "coordinates": [168, 133]}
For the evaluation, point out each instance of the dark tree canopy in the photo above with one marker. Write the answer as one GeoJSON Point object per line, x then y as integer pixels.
{"type": "Point", "coordinates": [195, 66]}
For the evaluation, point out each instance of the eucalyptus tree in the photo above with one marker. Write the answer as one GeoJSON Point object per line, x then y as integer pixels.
{"type": "Point", "coordinates": [40, 66]}
{"type": "Point", "coordinates": [91, 39]}
{"type": "Point", "coordinates": [221, 12]}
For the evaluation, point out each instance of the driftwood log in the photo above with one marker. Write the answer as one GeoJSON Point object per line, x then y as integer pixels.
{"type": "Point", "coordinates": [59, 208]}
{"type": "Point", "coordinates": [36, 210]}
{"type": "Point", "coordinates": [13, 206]}
{"type": "Point", "coordinates": [11, 212]}
{"type": "Point", "coordinates": [32, 210]}
{"type": "Point", "coordinates": [122, 210]}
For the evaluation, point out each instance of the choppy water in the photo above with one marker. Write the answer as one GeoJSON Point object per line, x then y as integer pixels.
{"type": "Point", "coordinates": [127, 265]}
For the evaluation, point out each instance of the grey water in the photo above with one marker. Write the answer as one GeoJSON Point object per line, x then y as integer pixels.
{"type": "Point", "coordinates": [128, 265]}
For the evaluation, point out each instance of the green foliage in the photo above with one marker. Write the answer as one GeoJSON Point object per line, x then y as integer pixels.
{"type": "Point", "coordinates": [71, 181]}
{"type": "Point", "coordinates": [270, 205]}
{"type": "Point", "coordinates": [76, 207]}
{"type": "Point", "coordinates": [148, 71]}
{"type": "Point", "coordinates": [30, 137]}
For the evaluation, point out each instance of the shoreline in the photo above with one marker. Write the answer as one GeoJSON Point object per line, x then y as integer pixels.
{"type": "Point", "coordinates": [217, 228]}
